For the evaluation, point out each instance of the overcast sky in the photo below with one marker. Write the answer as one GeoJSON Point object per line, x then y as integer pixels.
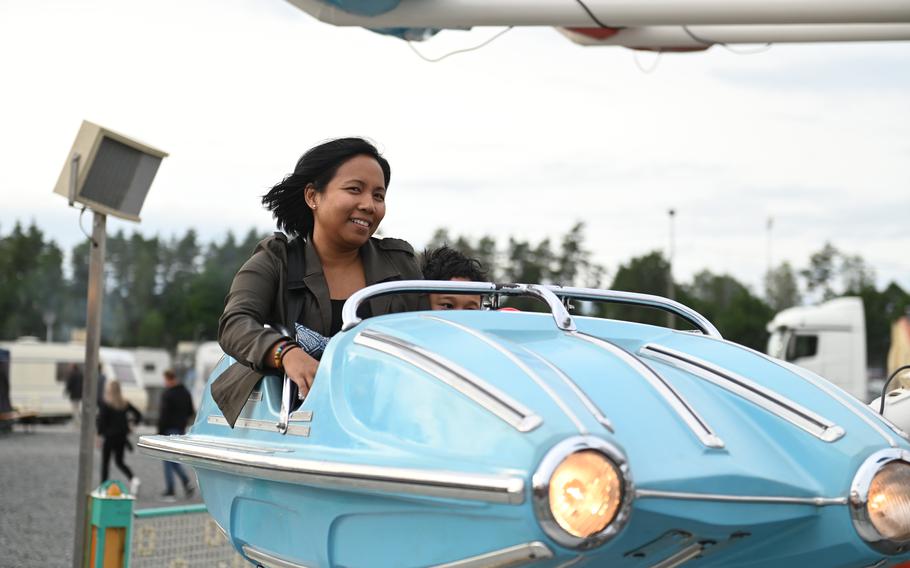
{"type": "Point", "coordinates": [523, 137]}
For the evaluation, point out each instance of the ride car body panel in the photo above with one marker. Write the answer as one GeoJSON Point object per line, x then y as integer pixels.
{"type": "Point", "coordinates": [381, 440]}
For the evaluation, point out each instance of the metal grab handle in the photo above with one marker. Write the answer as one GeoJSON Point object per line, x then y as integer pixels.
{"type": "Point", "coordinates": [284, 413]}
{"type": "Point", "coordinates": [644, 300]}
{"type": "Point", "coordinates": [560, 314]}
{"type": "Point", "coordinates": [549, 294]}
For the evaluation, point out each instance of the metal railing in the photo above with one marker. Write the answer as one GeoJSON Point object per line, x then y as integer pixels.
{"type": "Point", "coordinates": [553, 296]}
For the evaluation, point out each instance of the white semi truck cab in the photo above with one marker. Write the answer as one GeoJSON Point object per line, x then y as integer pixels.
{"type": "Point", "coordinates": [828, 339]}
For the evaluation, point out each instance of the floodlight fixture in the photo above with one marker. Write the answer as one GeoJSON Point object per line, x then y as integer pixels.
{"type": "Point", "coordinates": [108, 172]}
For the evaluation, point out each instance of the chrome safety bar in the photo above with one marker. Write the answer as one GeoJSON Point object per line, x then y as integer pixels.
{"type": "Point", "coordinates": [644, 300]}
{"type": "Point", "coordinates": [557, 309]}
{"type": "Point", "coordinates": [284, 413]}
{"type": "Point", "coordinates": [549, 294]}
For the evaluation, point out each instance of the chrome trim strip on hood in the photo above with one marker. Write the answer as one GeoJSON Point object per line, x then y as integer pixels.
{"type": "Point", "coordinates": [764, 398]}
{"type": "Point", "coordinates": [582, 396]}
{"type": "Point", "coordinates": [768, 500]}
{"type": "Point", "coordinates": [477, 390]}
{"type": "Point", "coordinates": [521, 365]}
{"type": "Point", "coordinates": [854, 405]}
{"type": "Point", "coordinates": [507, 557]}
{"type": "Point", "coordinates": [851, 402]}
{"type": "Point", "coordinates": [671, 396]}
{"type": "Point", "coordinates": [268, 560]}
{"type": "Point", "coordinates": [286, 468]}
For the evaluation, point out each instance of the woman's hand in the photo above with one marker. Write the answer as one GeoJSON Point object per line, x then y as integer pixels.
{"type": "Point", "coordinates": [300, 368]}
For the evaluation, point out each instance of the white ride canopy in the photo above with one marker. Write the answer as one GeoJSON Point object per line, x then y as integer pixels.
{"type": "Point", "coordinates": [664, 25]}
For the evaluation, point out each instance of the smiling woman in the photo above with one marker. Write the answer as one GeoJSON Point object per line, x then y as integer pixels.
{"type": "Point", "coordinates": [329, 209]}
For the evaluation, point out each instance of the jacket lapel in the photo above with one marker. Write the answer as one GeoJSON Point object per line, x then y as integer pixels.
{"type": "Point", "coordinates": [377, 267]}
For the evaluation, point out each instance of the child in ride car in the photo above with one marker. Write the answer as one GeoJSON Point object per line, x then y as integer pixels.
{"type": "Point", "coordinates": [443, 263]}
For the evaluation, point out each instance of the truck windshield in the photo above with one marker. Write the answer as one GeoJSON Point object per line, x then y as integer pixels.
{"type": "Point", "coordinates": [801, 346]}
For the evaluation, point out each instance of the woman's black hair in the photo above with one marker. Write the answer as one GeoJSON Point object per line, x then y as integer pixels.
{"type": "Point", "coordinates": [287, 200]}
{"type": "Point", "coordinates": [445, 263]}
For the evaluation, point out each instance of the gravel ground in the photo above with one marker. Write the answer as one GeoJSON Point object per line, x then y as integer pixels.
{"type": "Point", "coordinates": [38, 487]}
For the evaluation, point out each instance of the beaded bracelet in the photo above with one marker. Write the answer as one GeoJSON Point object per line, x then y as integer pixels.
{"type": "Point", "coordinates": [277, 355]}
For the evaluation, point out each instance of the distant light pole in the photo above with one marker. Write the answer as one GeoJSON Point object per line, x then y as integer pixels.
{"type": "Point", "coordinates": [671, 289]}
{"type": "Point", "coordinates": [768, 227]}
{"type": "Point", "coordinates": [49, 318]}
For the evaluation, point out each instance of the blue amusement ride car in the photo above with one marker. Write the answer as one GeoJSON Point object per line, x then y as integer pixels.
{"type": "Point", "coordinates": [496, 438]}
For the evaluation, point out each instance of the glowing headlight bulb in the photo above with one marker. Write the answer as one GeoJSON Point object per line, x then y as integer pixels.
{"type": "Point", "coordinates": [889, 501]}
{"type": "Point", "coordinates": [585, 493]}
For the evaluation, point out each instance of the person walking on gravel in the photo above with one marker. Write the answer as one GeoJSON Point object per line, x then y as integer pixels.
{"type": "Point", "coordinates": [114, 417]}
{"type": "Point", "coordinates": [176, 411]}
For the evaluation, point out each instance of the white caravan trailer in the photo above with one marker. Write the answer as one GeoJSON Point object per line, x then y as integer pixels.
{"type": "Point", "coordinates": [152, 362]}
{"type": "Point", "coordinates": [208, 355]}
{"type": "Point", "coordinates": [38, 372]}
{"type": "Point", "coordinates": [120, 364]}
{"type": "Point", "coordinates": [828, 339]}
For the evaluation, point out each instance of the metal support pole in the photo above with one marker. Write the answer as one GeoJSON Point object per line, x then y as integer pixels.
{"type": "Point", "coordinates": [89, 387]}
{"type": "Point", "coordinates": [768, 259]}
{"type": "Point", "coordinates": [671, 289]}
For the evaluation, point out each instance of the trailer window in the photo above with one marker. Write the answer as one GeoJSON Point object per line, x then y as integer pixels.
{"type": "Point", "coordinates": [124, 373]}
{"type": "Point", "coordinates": [801, 346]}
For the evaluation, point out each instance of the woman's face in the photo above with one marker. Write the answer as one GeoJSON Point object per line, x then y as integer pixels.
{"type": "Point", "coordinates": [350, 209]}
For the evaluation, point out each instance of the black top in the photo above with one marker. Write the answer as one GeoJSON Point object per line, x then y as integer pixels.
{"type": "Point", "coordinates": [74, 384]}
{"type": "Point", "coordinates": [176, 409]}
{"type": "Point", "coordinates": [337, 305]}
{"type": "Point", "coordinates": [114, 423]}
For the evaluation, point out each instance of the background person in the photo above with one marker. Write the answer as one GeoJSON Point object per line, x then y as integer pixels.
{"type": "Point", "coordinates": [114, 417]}
{"type": "Point", "coordinates": [73, 390]}
{"type": "Point", "coordinates": [331, 205]}
{"type": "Point", "coordinates": [175, 412]}
{"type": "Point", "coordinates": [445, 263]}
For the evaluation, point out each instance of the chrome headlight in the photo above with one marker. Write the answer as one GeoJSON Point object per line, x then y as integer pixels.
{"type": "Point", "coordinates": [880, 501]}
{"type": "Point", "coordinates": [582, 492]}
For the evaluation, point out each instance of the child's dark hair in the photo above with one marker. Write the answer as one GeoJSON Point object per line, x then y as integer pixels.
{"type": "Point", "coordinates": [317, 166]}
{"type": "Point", "coordinates": [445, 263]}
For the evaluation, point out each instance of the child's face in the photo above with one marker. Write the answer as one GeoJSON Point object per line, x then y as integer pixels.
{"type": "Point", "coordinates": [449, 301]}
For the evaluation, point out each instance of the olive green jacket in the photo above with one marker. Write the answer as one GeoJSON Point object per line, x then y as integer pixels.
{"type": "Point", "coordinates": [282, 284]}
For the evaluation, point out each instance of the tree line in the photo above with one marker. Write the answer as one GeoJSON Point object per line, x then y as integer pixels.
{"type": "Point", "coordinates": [159, 291]}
